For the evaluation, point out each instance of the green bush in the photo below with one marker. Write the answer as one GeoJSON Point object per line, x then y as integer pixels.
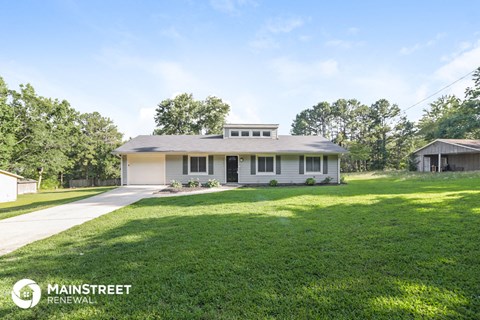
{"type": "Point", "coordinates": [412, 162]}
{"type": "Point", "coordinates": [343, 180]}
{"type": "Point", "coordinates": [50, 183]}
{"type": "Point", "coordinates": [193, 183]}
{"type": "Point", "coordinates": [212, 183]}
{"type": "Point", "coordinates": [310, 181]}
{"type": "Point", "coordinates": [327, 180]}
{"type": "Point", "coordinates": [273, 183]}
{"type": "Point", "coordinates": [175, 184]}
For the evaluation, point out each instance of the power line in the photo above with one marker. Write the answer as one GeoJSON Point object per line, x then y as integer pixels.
{"type": "Point", "coordinates": [437, 92]}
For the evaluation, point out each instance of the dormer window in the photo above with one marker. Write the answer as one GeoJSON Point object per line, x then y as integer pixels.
{"type": "Point", "coordinates": [256, 131]}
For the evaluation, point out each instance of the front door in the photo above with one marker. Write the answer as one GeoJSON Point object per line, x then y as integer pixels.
{"type": "Point", "coordinates": [232, 169]}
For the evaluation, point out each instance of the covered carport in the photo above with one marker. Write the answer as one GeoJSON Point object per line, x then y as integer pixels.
{"type": "Point", "coordinates": [449, 155]}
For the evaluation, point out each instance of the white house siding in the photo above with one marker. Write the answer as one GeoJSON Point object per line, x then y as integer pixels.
{"type": "Point", "coordinates": [8, 188]}
{"type": "Point", "coordinates": [289, 171]}
{"type": "Point", "coordinates": [174, 170]}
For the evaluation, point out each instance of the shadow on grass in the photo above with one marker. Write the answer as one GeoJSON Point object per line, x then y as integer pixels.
{"type": "Point", "coordinates": [393, 258]}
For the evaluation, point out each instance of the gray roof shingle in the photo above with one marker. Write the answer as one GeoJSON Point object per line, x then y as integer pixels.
{"type": "Point", "coordinates": [216, 144]}
{"type": "Point", "coordinates": [469, 143]}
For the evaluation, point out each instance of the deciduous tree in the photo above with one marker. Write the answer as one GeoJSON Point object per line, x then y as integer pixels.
{"type": "Point", "coordinates": [185, 115]}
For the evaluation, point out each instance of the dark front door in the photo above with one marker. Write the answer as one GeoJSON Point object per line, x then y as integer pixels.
{"type": "Point", "coordinates": [232, 169]}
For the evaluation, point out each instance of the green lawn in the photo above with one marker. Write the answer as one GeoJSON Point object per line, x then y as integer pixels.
{"type": "Point", "coordinates": [31, 202]}
{"type": "Point", "coordinates": [386, 247]}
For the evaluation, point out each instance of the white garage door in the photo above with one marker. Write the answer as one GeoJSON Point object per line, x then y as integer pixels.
{"type": "Point", "coordinates": [146, 169]}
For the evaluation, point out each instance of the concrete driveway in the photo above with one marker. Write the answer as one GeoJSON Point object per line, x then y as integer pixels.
{"type": "Point", "coordinates": [18, 231]}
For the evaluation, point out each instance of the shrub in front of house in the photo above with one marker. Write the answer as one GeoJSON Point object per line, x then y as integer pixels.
{"type": "Point", "coordinates": [310, 182]}
{"type": "Point", "coordinates": [193, 183]}
{"type": "Point", "coordinates": [327, 180]}
{"type": "Point", "coordinates": [175, 184]}
{"type": "Point", "coordinates": [343, 180]}
{"type": "Point", "coordinates": [273, 183]}
{"type": "Point", "coordinates": [212, 183]}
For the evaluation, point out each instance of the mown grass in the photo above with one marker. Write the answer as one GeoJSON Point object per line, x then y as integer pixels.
{"type": "Point", "coordinates": [44, 199]}
{"type": "Point", "coordinates": [384, 247]}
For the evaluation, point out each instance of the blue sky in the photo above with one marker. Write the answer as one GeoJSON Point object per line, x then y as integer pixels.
{"type": "Point", "coordinates": [268, 59]}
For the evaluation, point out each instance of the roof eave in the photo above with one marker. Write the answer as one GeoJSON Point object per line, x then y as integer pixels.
{"type": "Point", "coordinates": [447, 142]}
{"type": "Point", "coordinates": [232, 152]}
{"type": "Point", "coordinates": [11, 174]}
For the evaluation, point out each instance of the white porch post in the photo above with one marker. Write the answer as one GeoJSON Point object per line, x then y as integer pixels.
{"type": "Point", "coordinates": [121, 170]}
{"type": "Point", "coordinates": [439, 162]}
{"type": "Point", "coordinates": [338, 165]}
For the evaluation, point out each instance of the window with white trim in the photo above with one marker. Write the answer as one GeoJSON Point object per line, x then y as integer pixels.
{"type": "Point", "coordinates": [198, 164]}
{"type": "Point", "coordinates": [250, 133]}
{"type": "Point", "coordinates": [313, 164]}
{"type": "Point", "coordinates": [266, 164]}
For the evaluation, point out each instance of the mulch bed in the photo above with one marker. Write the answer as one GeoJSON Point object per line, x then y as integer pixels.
{"type": "Point", "coordinates": [180, 190]}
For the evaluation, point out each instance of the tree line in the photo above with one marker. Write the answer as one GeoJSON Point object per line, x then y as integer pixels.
{"type": "Point", "coordinates": [48, 140]}
{"type": "Point", "coordinates": [380, 137]}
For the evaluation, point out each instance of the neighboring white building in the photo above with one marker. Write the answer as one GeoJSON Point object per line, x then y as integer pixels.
{"type": "Point", "coordinates": [8, 186]}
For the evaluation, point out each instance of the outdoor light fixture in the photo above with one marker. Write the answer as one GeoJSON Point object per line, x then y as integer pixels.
{"type": "Point", "coordinates": [241, 159]}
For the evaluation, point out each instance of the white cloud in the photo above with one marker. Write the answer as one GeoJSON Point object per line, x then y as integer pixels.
{"type": "Point", "coordinates": [464, 59]}
{"type": "Point", "coordinates": [460, 48]}
{"type": "Point", "coordinates": [284, 25]}
{"type": "Point", "coordinates": [462, 63]}
{"type": "Point", "coordinates": [419, 46]}
{"type": "Point", "coordinates": [379, 84]}
{"type": "Point", "coordinates": [409, 50]}
{"type": "Point", "coordinates": [174, 76]}
{"type": "Point", "coordinates": [290, 70]}
{"type": "Point", "coordinates": [459, 66]}
{"type": "Point", "coordinates": [421, 92]}
{"type": "Point", "coordinates": [353, 31]}
{"type": "Point", "coordinates": [244, 109]}
{"type": "Point", "coordinates": [263, 42]}
{"type": "Point", "coordinates": [231, 6]}
{"type": "Point", "coordinates": [171, 32]}
{"type": "Point", "coordinates": [344, 44]}
{"type": "Point", "coordinates": [267, 36]}
{"type": "Point", "coordinates": [304, 38]}
{"type": "Point", "coordinates": [146, 113]}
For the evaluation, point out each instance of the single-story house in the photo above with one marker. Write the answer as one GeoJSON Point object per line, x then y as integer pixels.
{"type": "Point", "coordinates": [8, 186]}
{"type": "Point", "coordinates": [449, 155]}
{"type": "Point", "coordinates": [243, 154]}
